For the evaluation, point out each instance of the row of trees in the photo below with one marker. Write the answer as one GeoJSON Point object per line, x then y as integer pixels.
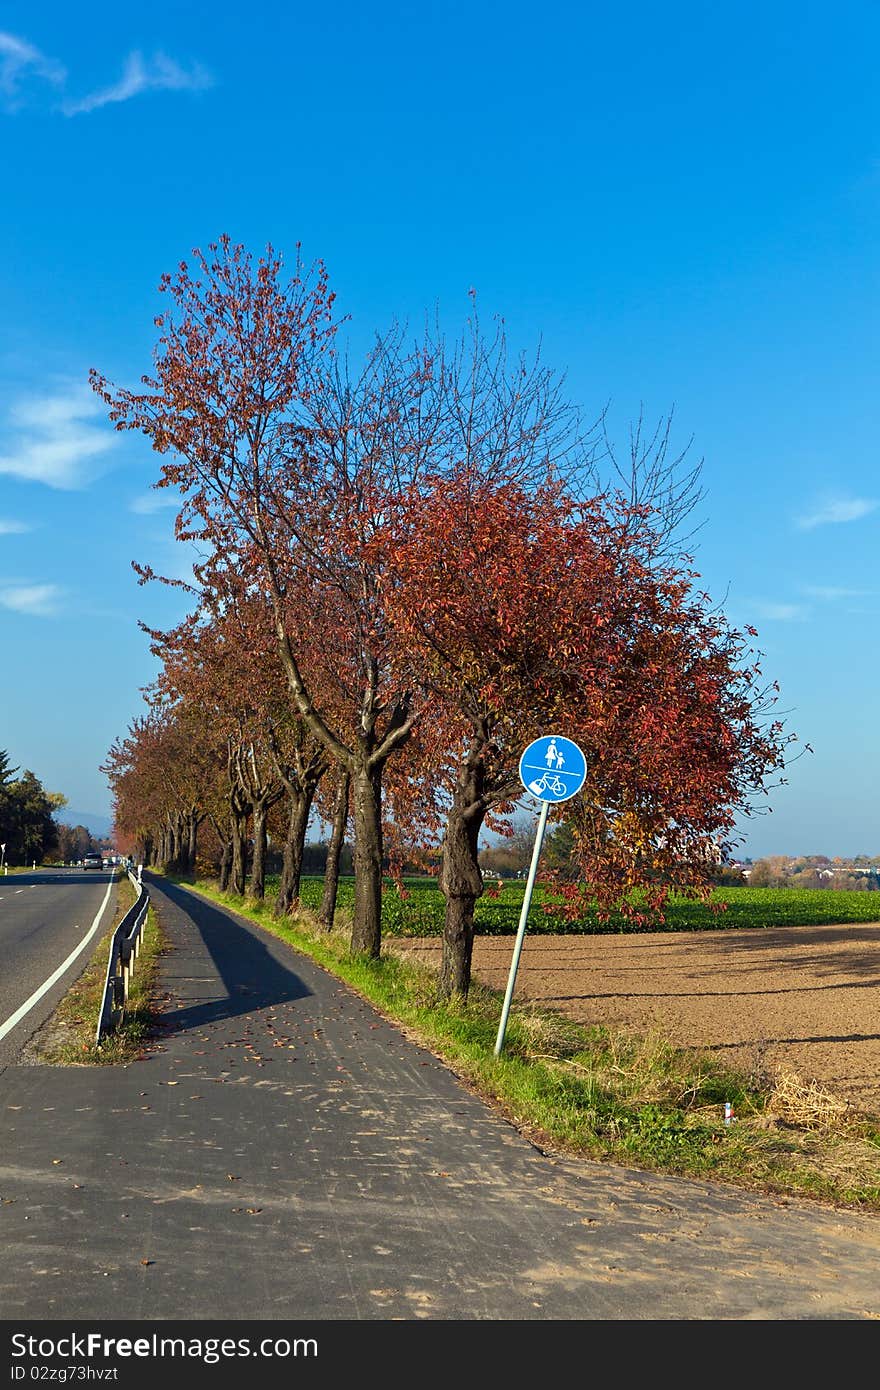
{"type": "Point", "coordinates": [406, 571]}
{"type": "Point", "coordinates": [816, 871]}
{"type": "Point", "coordinates": [27, 827]}
{"type": "Point", "coordinates": [73, 842]}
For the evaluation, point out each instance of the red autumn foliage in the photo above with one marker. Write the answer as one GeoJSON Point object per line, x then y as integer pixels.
{"type": "Point", "coordinates": [518, 612]}
{"type": "Point", "coordinates": [410, 558]}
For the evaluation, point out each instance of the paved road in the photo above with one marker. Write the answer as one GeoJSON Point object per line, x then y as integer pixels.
{"type": "Point", "coordinates": [44, 917]}
{"type": "Point", "coordinates": [286, 1154]}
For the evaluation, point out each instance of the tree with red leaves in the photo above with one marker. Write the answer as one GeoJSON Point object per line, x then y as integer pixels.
{"type": "Point", "coordinates": [165, 780]}
{"type": "Point", "coordinates": [275, 451]}
{"type": "Point", "coordinates": [520, 612]}
{"type": "Point", "coordinates": [225, 664]}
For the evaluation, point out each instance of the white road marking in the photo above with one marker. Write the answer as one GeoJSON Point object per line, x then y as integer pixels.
{"type": "Point", "coordinates": [56, 975]}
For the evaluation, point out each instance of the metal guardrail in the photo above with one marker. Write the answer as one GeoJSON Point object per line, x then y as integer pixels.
{"type": "Point", "coordinates": [124, 949]}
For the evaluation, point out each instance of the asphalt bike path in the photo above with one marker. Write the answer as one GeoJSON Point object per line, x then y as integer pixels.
{"type": "Point", "coordinates": [282, 1152]}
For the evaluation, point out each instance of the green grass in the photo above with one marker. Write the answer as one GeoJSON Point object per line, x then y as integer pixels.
{"type": "Point", "coordinates": [68, 1037]}
{"type": "Point", "coordinates": [420, 912]}
{"type": "Point", "coordinates": [604, 1095]}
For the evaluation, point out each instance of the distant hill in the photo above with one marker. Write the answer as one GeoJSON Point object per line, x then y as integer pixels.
{"type": "Point", "coordinates": [100, 826]}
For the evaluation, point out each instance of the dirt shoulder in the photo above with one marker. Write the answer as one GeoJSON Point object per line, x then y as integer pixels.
{"type": "Point", "coordinates": [799, 999]}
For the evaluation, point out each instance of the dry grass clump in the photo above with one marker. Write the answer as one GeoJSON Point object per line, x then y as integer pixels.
{"type": "Point", "coordinates": [632, 1067]}
{"type": "Point", "coordinates": [547, 1034]}
{"type": "Point", "coordinates": [805, 1104]}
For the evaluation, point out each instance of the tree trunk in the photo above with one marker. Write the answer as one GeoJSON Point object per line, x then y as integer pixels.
{"type": "Point", "coordinates": [334, 850]}
{"type": "Point", "coordinates": [225, 866]}
{"type": "Point", "coordinates": [458, 946]}
{"type": "Point", "coordinates": [237, 869]}
{"type": "Point", "coordinates": [257, 889]}
{"type": "Point", "coordinates": [291, 869]}
{"type": "Point", "coordinates": [461, 883]}
{"type": "Point", "coordinates": [366, 933]}
{"type": "Point", "coordinates": [192, 843]}
{"type": "Point", "coordinates": [174, 844]}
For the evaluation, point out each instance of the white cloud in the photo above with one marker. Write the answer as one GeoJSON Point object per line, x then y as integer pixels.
{"type": "Point", "coordinates": [20, 62]}
{"type": "Point", "coordinates": [779, 612]}
{"type": "Point", "coordinates": [53, 440]}
{"type": "Point", "coordinates": [159, 73]}
{"type": "Point", "coordinates": [153, 502]}
{"type": "Point", "coordinates": [13, 528]}
{"type": "Point", "coordinates": [836, 510]}
{"type": "Point", "coordinates": [831, 592]}
{"type": "Point", "coordinates": [34, 600]}
{"type": "Point", "coordinates": [23, 66]}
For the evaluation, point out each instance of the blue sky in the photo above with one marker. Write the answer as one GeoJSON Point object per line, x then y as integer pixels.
{"type": "Point", "coordinates": [681, 204]}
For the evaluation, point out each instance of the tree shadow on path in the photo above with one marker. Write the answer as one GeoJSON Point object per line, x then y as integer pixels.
{"type": "Point", "coordinates": [252, 976]}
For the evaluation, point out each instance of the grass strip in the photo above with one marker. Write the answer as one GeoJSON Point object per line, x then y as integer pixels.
{"type": "Point", "coordinates": [68, 1036]}
{"type": "Point", "coordinates": [590, 1092]}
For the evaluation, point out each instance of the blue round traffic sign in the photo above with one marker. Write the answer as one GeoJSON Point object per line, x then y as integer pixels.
{"type": "Point", "coordinates": [553, 768]}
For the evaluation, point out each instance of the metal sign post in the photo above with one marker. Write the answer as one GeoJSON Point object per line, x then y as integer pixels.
{"type": "Point", "coordinates": [521, 930]}
{"type": "Point", "coordinates": [553, 769]}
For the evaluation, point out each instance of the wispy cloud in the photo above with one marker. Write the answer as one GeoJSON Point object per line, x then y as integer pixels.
{"type": "Point", "coordinates": [13, 528]}
{"type": "Point", "coordinates": [153, 502]}
{"type": "Point", "coordinates": [52, 439]}
{"type": "Point", "coordinates": [34, 600]}
{"type": "Point", "coordinates": [837, 510]}
{"type": "Point", "coordinates": [779, 612]}
{"type": "Point", "coordinates": [830, 592]}
{"type": "Point", "coordinates": [25, 72]}
{"type": "Point", "coordinates": [20, 65]}
{"type": "Point", "coordinates": [156, 74]}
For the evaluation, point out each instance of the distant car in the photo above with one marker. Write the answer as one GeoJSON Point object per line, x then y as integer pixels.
{"type": "Point", "coordinates": [93, 861]}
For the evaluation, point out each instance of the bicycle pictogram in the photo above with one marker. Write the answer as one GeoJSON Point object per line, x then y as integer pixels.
{"type": "Point", "coordinates": [552, 784]}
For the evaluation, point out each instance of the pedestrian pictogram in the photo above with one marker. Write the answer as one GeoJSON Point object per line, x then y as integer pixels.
{"type": "Point", "coordinates": [553, 768]}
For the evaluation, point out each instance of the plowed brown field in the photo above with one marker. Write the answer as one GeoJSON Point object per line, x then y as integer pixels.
{"type": "Point", "coordinates": [800, 999]}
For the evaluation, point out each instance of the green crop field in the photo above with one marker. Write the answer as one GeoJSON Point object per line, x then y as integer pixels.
{"type": "Point", "coordinates": [420, 913]}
